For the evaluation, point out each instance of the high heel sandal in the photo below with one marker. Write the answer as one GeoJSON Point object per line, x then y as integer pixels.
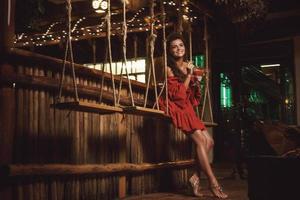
{"type": "Point", "coordinates": [217, 191]}
{"type": "Point", "coordinates": [194, 181]}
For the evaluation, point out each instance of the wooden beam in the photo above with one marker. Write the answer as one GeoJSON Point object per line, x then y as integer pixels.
{"type": "Point", "coordinates": [48, 62]}
{"type": "Point", "coordinates": [52, 85]}
{"type": "Point", "coordinates": [89, 169]}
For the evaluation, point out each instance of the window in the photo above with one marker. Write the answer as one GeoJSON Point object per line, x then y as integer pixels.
{"type": "Point", "coordinates": [136, 68]}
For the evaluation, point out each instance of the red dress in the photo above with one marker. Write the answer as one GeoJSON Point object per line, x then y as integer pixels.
{"type": "Point", "coordinates": [181, 105]}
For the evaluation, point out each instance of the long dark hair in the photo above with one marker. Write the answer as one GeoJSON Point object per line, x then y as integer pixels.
{"type": "Point", "coordinates": [171, 60]}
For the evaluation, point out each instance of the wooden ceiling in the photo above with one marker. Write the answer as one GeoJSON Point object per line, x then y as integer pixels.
{"type": "Point", "coordinates": [87, 23]}
{"type": "Point", "coordinates": [282, 16]}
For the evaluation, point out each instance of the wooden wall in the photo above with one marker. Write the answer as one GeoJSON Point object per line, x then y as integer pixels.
{"type": "Point", "coordinates": [40, 135]}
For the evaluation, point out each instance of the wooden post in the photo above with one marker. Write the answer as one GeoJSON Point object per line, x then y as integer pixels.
{"type": "Point", "coordinates": [7, 25]}
{"type": "Point", "coordinates": [7, 92]}
{"type": "Point", "coordinates": [296, 76]}
{"type": "Point", "coordinates": [122, 152]}
{"type": "Point", "coordinates": [7, 127]}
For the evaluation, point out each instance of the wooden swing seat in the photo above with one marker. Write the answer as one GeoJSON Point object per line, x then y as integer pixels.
{"type": "Point", "coordinates": [137, 110]}
{"type": "Point", "coordinates": [88, 107]}
{"type": "Point", "coordinates": [210, 124]}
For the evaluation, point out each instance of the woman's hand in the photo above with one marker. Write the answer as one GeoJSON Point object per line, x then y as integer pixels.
{"type": "Point", "coordinates": [190, 66]}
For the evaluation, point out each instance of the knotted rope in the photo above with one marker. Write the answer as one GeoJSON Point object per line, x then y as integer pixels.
{"type": "Point", "coordinates": [152, 39]}
{"type": "Point", "coordinates": [207, 91]}
{"type": "Point", "coordinates": [124, 63]}
{"type": "Point", "coordinates": [108, 21]}
{"type": "Point", "coordinates": [70, 50]}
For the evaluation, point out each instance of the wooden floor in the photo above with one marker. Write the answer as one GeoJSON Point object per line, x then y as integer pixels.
{"type": "Point", "coordinates": [233, 186]}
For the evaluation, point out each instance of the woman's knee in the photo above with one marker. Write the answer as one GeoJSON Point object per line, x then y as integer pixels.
{"type": "Point", "coordinates": [209, 140]}
{"type": "Point", "coordinates": [199, 138]}
{"type": "Point", "coordinates": [210, 143]}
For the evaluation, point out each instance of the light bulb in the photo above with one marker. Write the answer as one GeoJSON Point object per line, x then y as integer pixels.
{"type": "Point", "coordinates": [96, 4]}
{"type": "Point", "coordinates": [104, 5]}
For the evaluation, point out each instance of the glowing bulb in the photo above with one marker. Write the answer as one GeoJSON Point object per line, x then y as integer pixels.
{"type": "Point", "coordinates": [96, 4]}
{"type": "Point", "coordinates": [104, 5]}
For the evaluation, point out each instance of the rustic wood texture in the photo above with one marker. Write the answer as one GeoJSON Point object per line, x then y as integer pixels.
{"type": "Point", "coordinates": [84, 144]}
{"type": "Point", "coordinates": [7, 127]}
{"type": "Point", "coordinates": [87, 107]}
{"type": "Point", "coordinates": [137, 110]}
{"type": "Point", "coordinates": [94, 169]}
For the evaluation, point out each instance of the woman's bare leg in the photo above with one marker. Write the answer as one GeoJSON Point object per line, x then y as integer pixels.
{"type": "Point", "coordinates": [200, 140]}
{"type": "Point", "coordinates": [209, 143]}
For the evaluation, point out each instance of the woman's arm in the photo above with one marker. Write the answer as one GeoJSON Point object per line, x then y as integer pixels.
{"type": "Point", "coordinates": [190, 71]}
{"type": "Point", "coordinates": [187, 80]}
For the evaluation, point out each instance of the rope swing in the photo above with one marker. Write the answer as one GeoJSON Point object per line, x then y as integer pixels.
{"type": "Point", "coordinates": [152, 39]}
{"type": "Point", "coordinates": [78, 105]}
{"type": "Point", "coordinates": [68, 51]}
{"type": "Point", "coordinates": [144, 110]}
{"type": "Point", "coordinates": [207, 96]}
{"type": "Point", "coordinates": [207, 80]}
{"type": "Point", "coordinates": [165, 63]}
{"type": "Point", "coordinates": [124, 63]}
{"type": "Point", "coordinates": [163, 12]}
{"type": "Point", "coordinates": [108, 21]}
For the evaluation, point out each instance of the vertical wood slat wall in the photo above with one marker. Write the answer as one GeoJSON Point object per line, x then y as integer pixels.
{"type": "Point", "coordinates": [46, 135]}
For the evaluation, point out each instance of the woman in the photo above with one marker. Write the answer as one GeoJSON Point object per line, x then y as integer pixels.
{"type": "Point", "coordinates": [184, 93]}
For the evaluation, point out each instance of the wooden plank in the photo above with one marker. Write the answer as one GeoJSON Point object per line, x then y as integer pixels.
{"type": "Point", "coordinates": [35, 124]}
{"type": "Point", "coordinates": [87, 107]}
{"type": "Point", "coordinates": [137, 110]}
{"type": "Point", "coordinates": [122, 152]}
{"type": "Point", "coordinates": [69, 169]}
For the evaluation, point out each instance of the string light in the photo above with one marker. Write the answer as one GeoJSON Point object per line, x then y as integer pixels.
{"type": "Point", "coordinates": [50, 27]}
{"type": "Point", "coordinates": [137, 23]}
{"type": "Point", "coordinates": [77, 23]}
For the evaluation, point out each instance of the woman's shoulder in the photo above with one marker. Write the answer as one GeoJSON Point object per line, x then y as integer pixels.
{"type": "Point", "coordinates": [170, 72]}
